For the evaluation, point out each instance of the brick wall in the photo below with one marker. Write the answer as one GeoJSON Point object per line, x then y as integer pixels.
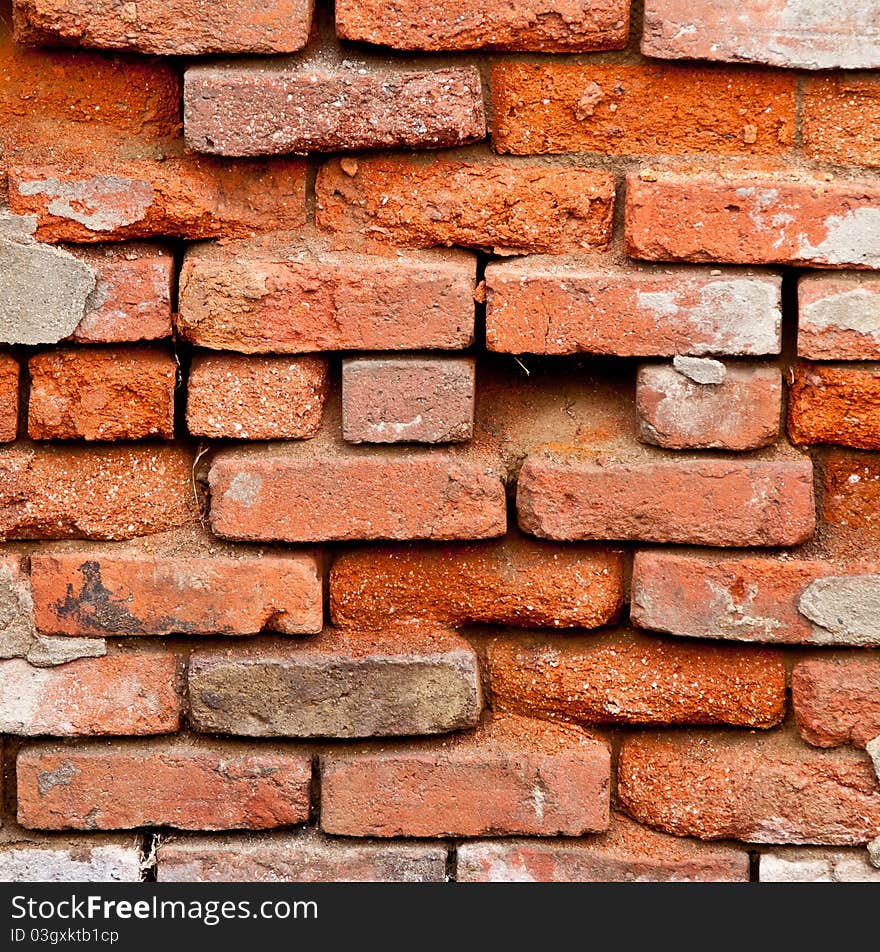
{"type": "Point", "coordinates": [439, 440]}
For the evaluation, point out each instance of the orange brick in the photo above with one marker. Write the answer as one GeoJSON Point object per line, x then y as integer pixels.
{"type": "Point", "coordinates": [9, 371]}
{"type": "Point", "coordinates": [640, 110]}
{"type": "Point", "coordinates": [851, 501]}
{"type": "Point", "coordinates": [840, 116]}
{"type": "Point", "coordinates": [835, 404]}
{"type": "Point", "coordinates": [837, 701]}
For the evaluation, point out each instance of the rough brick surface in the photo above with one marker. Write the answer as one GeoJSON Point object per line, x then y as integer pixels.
{"type": "Point", "coordinates": [703, 501]}
{"type": "Point", "coordinates": [563, 306]}
{"type": "Point", "coordinates": [520, 776]}
{"type": "Point", "coordinates": [636, 680]}
{"type": "Point", "coordinates": [288, 496]}
{"type": "Point", "coordinates": [547, 25]}
{"type": "Point", "coordinates": [628, 852]}
{"type": "Point", "coordinates": [79, 859]}
{"type": "Point", "coordinates": [506, 208]}
{"type": "Point", "coordinates": [787, 865]}
{"type": "Point", "coordinates": [793, 33]}
{"type": "Point", "coordinates": [107, 593]}
{"type": "Point", "coordinates": [266, 110]}
{"type": "Point", "coordinates": [408, 399]}
{"type": "Point", "coordinates": [305, 297]}
{"type": "Point", "coordinates": [302, 857]}
{"type": "Point", "coordinates": [835, 405]}
{"type": "Point", "coordinates": [256, 398]}
{"type": "Point", "coordinates": [837, 701]}
{"type": "Point", "coordinates": [116, 694]}
{"type": "Point", "coordinates": [341, 684]}
{"type": "Point", "coordinates": [553, 108]}
{"type": "Point", "coordinates": [751, 215]}
{"type": "Point", "coordinates": [517, 582]}
{"type": "Point", "coordinates": [91, 394]}
{"type": "Point", "coordinates": [839, 316]}
{"type": "Point", "coordinates": [128, 785]}
{"type": "Point", "coordinates": [155, 26]}
{"type": "Point", "coordinates": [769, 789]}
{"type": "Point", "coordinates": [851, 496]}
{"type": "Point", "coordinates": [9, 374]}
{"type": "Point", "coordinates": [838, 117]}
{"type": "Point", "coordinates": [739, 413]}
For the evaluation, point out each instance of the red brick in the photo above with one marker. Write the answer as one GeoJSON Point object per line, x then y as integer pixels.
{"type": "Point", "coordinates": [301, 494]}
{"type": "Point", "coordinates": [109, 593]}
{"type": "Point", "coordinates": [837, 701]}
{"type": "Point", "coordinates": [839, 115]}
{"type": "Point", "coordinates": [305, 856]}
{"type": "Point", "coordinates": [761, 789]}
{"type": "Point", "coordinates": [839, 316]}
{"type": "Point", "coordinates": [559, 107]}
{"type": "Point", "coordinates": [627, 853]}
{"type": "Point", "coordinates": [120, 393]}
{"type": "Point", "coordinates": [514, 776]}
{"type": "Point", "coordinates": [408, 399]}
{"type": "Point", "coordinates": [751, 215]}
{"type": "Point", "coordinates": [132, 297]}
{"type": "Point", "coordinates": [835, 405]}
{"type": "Point", "coordinates": [8, 398]}
{"type": "Point", "coordinates": [568, 495]}
{"type": "Point", "coordinates": [504, 208]}
{"type": "Point", "coordinates": [740, 413]}
{"type": "Point", "coordinates": [543, 305]}
{"type": "Point", "coordinates": [779, 32]}
{"type": "Point", "coordinates": [102, 786]}
{"type": "Point", "coordinates": [256, 398]}
{"type": "Point", "coordinates": [740, 598]}
{"type": "Point", "coordinates": [518, 582]}
{"type": "Point", "coordinates": [101, 198]}
{"type": "Point", "coordinates": [268, 109]}
{"type": "Point", "coordinates": [400, 682]}
{"type": "Point", "coordinates": [116, 694]}
{"type": "Point", "coordinates": [548, 25]}
{"type": "Point", "coordinates": [265, 298]}
{"type": "Point", "coordinates": [626, 678]}
{"type": "Point", "coordinates": [168, 27]}
{"type": "Point", "coordinates": [99, 493]}
{"type": "Point", "coordinates": [851, 498]}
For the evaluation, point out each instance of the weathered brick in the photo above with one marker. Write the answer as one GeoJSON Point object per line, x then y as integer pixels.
{"type": "Point", "coordinates": [559, 107]}
{"type": "Point", "coordinates": [792, 865]}
{"type": "Point", "coordinates": [116, 694]}
{"type": "Point", "coordinates": [265, 298]}
{"type": "Point", "coordinates": [267, 109]}
{"type": "Point", "coordinates": [543, 305]}
{"type": "Point", "coordinates": [118, 393]}
{"type": "Point", "coordinates": [835, 405]}
{"type": "Point", "coordinates": [740, 413]}
{"type": "Point", "coordinates": [309, 493]}
{"type": "Point", "coordinates": [752, 215]}
{"type": "Point", "coordinates": [110, 593]}
{"type": "Point", "coordinates": [100, 198]}
{"type": "Point", "coordinates": [95, 493]}
{"type": "Point", "coordinates": [519, 582]}
{"type": "Point", "coordinates": [805, 35]}
{"type": "Point", "coordinates": [132, 296]}
{"type": "Point", "coordinates": [839, 316]}
{"type": "Point", "coordinates": [628, 852]}
{"type": "Point", "coordinates": [839, 114]}
{"type": "Point", "coordinates": [748, 598]}
{"type": "Point", "coordinates": [519, 776]}
{"type": "Point", "coordinates": [630, 679]}
{"type": "Point", "coordinates": [408, 399]}
{"type": "Point", "coordinates": [306, 856]}
{"type": "Point", "coordinates": [101, 786]}
{"type": "Point", "coordinates": [78, 859]}
{"type": "Point", "coordinates": [340, 684]}
{"type": "Point", "coordinates": [168, 27]}
{"type": "Point", "coordinates": [851, 497]}
{"type": "Point", "coordinates": [9, 372]}
{"type": "Point", "coordinates": [548, 25]}
{"type": "Point", "coordinates": [837, 701]}
{"type": "Point", "coordinates": [256, 398]}
{"type": "Point", "coordinates": [503, 208]}
{"type": "Point", "coordinates": [761, 789]}
{"type": "Point", "coordinates": [569, 495]}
